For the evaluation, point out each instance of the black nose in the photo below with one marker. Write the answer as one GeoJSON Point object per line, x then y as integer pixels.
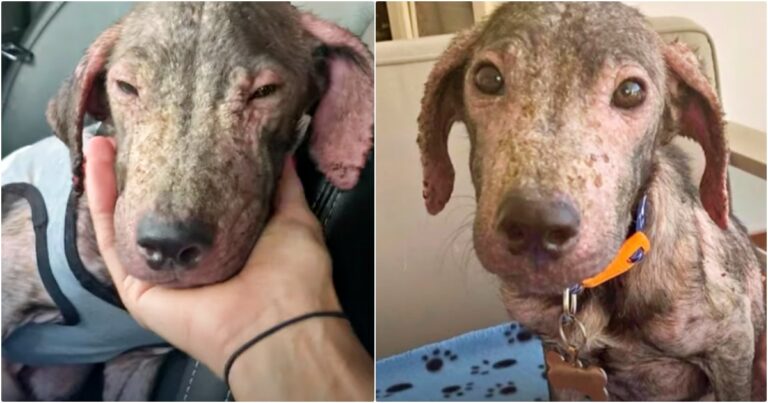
{"type": "Point", "coordinates": [172, 244]}
{"type": "Point", "coordinates": [537, 223]}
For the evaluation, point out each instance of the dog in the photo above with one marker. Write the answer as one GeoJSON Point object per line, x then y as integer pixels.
{"type": "Point", "coordinates": [570, 110]}
{"type": "Point", "coordinates": [203, 101]}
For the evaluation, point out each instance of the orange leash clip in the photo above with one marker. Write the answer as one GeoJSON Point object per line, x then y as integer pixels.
{"type": "Point", "coordinates": [624, 260]}
{"type": "Point", "coordinates": [632, 250]}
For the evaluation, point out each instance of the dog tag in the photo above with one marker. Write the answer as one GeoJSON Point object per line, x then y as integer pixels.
{"type": "Point", "coordinates": [590, 381]}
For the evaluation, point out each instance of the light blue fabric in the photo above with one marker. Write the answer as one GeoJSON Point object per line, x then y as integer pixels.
{"type": "Point", "coordinates": [503, 363]}
{"type": "Point", "coordinates": [104, 330]}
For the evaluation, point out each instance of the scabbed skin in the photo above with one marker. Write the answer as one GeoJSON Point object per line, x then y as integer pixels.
{"type": "Point", "coordinates": [193, 146]}
{"type": "Point", "coordinates": [684, 321]}
{"type": "Point", "coordinates": [192, 138]}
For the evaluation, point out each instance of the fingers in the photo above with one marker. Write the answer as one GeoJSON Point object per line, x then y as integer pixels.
{"type": "Point", "coordinates": [290, 201]}
{"type": "Point", "coordinates": [290, 193]}
{"type": "Point", "coordinates": [101, 190]}
{"type": "Point", "coordinates": [100, 176]}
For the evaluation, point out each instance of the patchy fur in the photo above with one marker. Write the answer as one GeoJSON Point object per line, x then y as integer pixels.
{"type": "Point", "coordinates": [174, 84]}
{"type": "Point", "coordinates": [345, 114]}
{"type": "Point", "coordinates": [683, 322]}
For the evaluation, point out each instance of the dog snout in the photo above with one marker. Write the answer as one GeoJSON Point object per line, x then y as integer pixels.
{"type": "Point", "coordinates": [531, 223]}
{"type": "Point", "coordinates": [172, 244]}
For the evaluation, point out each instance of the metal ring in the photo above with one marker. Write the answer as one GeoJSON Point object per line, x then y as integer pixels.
{"type": "Point", "coordinates": [570, 302]}
{"type": "Point", "coordinates": [566, 318]}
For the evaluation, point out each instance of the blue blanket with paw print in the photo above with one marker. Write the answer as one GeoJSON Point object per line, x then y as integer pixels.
{"type": "Point", "coordinates": [503, 362]}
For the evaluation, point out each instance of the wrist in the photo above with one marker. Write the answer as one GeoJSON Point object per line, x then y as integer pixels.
{"type": "Point", "coordinates": [284, 306]}
{"type": "Point", "coordinates": [323, 345]}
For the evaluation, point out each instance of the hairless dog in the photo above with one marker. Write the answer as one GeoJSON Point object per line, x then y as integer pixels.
{"type": "Point", "coordinates": [570, 110]}
{"type": "Point", "coordinates": [203, 101]}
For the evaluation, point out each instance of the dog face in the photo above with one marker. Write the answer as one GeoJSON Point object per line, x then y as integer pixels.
{"type": "Point", "coordinates": [203, 101]}
{"type": "Point", "coordinates": [565, 104]}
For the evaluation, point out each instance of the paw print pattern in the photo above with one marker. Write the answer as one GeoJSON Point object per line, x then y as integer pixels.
{"type": "Point", "coordinates": [480, 369]}
{"type": "Point", "coordinates": [517, 333]}
{"type": "Point", "coordinates": [505, 363]}
{"type": "Point", "coordinates": [524, 335]}
{"type": "Point", "coordinates": [510, 333]}
{"type": "Point", "coordinates": [398, 387]}
{"type": "Point", "coordinates": [485, 367]}
{"type": "Point", "coordinates": [457, 390]}
{"type": "Point", "coordinates": [502, 389]}
{"type": "Point", "coordinates": [435, 361]}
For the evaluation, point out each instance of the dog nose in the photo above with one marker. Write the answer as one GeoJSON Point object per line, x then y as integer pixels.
{"type": "Point", "coordinates": [534, 223]}
{"type": "Point", "coordinates": [172, 244]}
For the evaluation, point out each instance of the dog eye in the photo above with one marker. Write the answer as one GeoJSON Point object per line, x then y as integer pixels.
{"type": "Point", "coordinates": [263, 91]}
{"type": "Point", "coordinates": [127, 88]}
{"type": "Point", "coordinates": [629, 94]}
{"type": "Point", "coordinates": [488, 79]}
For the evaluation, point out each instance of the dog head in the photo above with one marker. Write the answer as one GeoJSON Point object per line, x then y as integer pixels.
{"type": "Point", "coordinates": [565, 105]}
{"type": "Point", "coordinates": [203, 101]}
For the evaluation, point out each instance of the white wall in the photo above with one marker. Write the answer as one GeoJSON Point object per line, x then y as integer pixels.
{"type": "Point", "coordinates": [739, 32]}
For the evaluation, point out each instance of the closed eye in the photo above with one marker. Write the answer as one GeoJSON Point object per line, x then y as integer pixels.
{"type": "Point", "coordinates": [263, 91]}
{"type": "Point", "coordinates": [127, 89]}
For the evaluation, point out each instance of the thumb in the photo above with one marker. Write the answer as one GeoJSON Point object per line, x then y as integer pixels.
{"type": "Point", "coordinates": [101, 190]}
{"type": "Point", "coordinates": [100, 176]}
{"type": "Point", "coordinates": [289, 199]}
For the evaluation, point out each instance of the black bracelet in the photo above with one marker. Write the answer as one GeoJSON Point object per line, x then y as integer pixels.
{"type": "Point", "coordinates": [270, 331]}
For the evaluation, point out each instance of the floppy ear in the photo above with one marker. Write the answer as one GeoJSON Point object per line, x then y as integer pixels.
{"type": "Point", "coordinates": [441, 106]}
{"type": "Point", "coordinates": [82, 93]}
{"type": "Point", "coordinates": [697, 112]}
{"type": "Point", "coordinates": [343, 121]}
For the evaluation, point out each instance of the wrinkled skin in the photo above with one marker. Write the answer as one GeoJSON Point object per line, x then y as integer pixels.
{"type": "Point", "coordinates": [684, 322]}
{"type": "Point", "coordinates": [553, 130]}
{"type": "Point", "coordinates": [191, 139]}
{"type": "Point", "coordinates": [571, 148]}
{"type": "Point", "coordinates": [181, 87]}
{"type": "Point", "coordinates": [193, 145]}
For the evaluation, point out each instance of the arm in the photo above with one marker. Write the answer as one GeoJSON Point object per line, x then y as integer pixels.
{"type": "Point", "coordinates": [287, 274]}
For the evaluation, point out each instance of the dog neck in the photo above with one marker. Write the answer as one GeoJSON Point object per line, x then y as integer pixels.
{"type": "Point", "coordinates": [650, 287]}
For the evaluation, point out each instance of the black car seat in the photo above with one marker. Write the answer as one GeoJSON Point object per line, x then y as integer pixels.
{"type": "Point", "coordinates": [57, 36]}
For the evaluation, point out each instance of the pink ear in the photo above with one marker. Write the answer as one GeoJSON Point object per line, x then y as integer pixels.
{"type": "Point", "coordinates": [441, 106]}
{"type": "Point", "coordinates": [700, 118]}
{"type": "Point", "coordinates": [343, 122]}
{"type": "Point", "coordinates": [76, 97]}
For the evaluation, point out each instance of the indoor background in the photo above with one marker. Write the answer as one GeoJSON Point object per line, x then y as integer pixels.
{"type": "Point", "coordinates": [430, 286]}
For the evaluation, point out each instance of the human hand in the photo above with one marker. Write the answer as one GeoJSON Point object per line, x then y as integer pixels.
{"type": "Point", "coordinates": [287, 274]}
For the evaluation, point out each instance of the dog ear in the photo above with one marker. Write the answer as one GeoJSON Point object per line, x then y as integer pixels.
{"type": "Point", "coordinates": [441, 106]}
{"type": "Point", "coordinates": [697, 113]}
{"type": "Point", "coordinates": [82, 93]}
{"type": "Point", "coordinates": [342, 125]}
